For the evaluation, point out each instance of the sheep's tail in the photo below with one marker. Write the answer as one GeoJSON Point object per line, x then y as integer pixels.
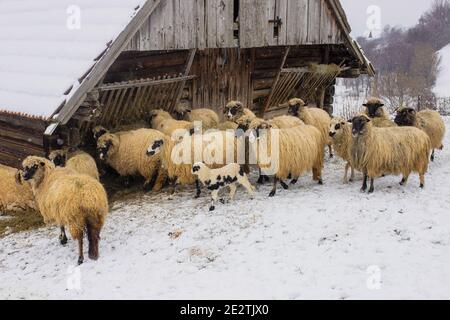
{"type": "Point", "coordinates": [94, 223]}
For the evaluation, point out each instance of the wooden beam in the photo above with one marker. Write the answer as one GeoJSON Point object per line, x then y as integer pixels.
{"type": "Point", "coordinates": [143, 83]}
{"type": "Point", "coordinates": [277, 78]}
{"type": "Point", "coordinates": [105, 62]}
{"type": "Point", "coordinates": [187, 70]}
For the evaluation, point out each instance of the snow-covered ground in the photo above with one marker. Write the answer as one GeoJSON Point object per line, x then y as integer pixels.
{"type": "Point", "coordinates": [442, 88]}
{"type": "Point", "coordinates": [313, 241]}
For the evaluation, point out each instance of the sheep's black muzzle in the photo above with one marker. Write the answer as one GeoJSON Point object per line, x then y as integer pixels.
{"type": "Point", "coordinates": [28, 173]}
{"type": "Point", "coordinates": [59, 161]}
{"type": "Point", "coordinates": [332, 134]}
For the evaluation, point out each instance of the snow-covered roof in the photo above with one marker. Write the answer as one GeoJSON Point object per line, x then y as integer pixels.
{"type": "Point", "coordinates": [46, 46]}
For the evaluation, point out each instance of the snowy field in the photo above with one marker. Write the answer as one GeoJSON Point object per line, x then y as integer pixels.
{"type": "Point", "coordinates": [313, 241]}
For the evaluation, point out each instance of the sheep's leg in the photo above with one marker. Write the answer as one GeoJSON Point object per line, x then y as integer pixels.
{"type": "Point", "coordinates": [150, 184]}
{"type": "Point", "coordinates": [161, 180]}
{"type": "Point", "coordinates": [330, 148]}
{"type": "Point", "coordinates": [294, 181]}
{"type": "Point", "coordinates": [284, 185]}
{"type": "Point", "coordinates": [198, 189]}
{"type": "Point", "coordinates": [422, 180]}
{"type": "Point", "coordinates": [364, 186]}
{"type": "Point", "coordinates": [63, 236]}
{"type": "Point", "coordinates": [233, 189]}
{"type": "Point", "coordinates": [247, 185]}
{"type": "Point", "coordinates": [215, 197]}
{"type": "Point", "coordinates": [93, 238]}
{"type": "Point", "coordinates": [274, 188]}
{"type": "Point", "coordinates": [372, 187]}
{"type": "Point", "coordinates": [432, 155]}
{"type": "Point", "coordinates": [347, 166]}
{"type": "Point", "coordinates": [352, 174]}
{"type": "Point", "coordinates": [80, 249]}
{"type": "Point", "coordinates": [173, 187]}
{"type": "Point", "coordinates": [404, 180]}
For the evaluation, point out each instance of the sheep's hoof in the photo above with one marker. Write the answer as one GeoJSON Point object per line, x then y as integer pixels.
{"type": "Point", "coordinates": [371, 190]}
{"type": "Point", "coordinates": [293, 182]}
{"type": "Point", "coordinates": [222, 201]}
{"type": "Point", "coordinates": [284, 185]}
{"type": "Point", "coordinates": [260, 180]}
{"type": "Point", "coordinates": [63, 240]}
{"type": "Point", "coordinates": [212, 208]}
{"type": "Point", "coordinates": [196, 196]}
{"type": "Point", "coordinates": [80, 260]}
{"type": "Point", "coordinates": [351, 180]}
{"type": "Point", "coordinates": [272, 194]}
{"type": "Point", "coordinates": [266, 179]}
{"type": "Point", "coordinates": [321, 182]}
{"type": "Point", "coordinates": [403, 182]}
{"type": "Point", "coordinates": [331, 156]}
{"type": "Point", "coordinates": [422, 186]}
{"type": "Point", "coordinates": [432, 158]}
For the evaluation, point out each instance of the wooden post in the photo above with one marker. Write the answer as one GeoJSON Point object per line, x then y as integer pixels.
{"type": "Point", "coordinates": [187, 70]}
{"type": "Point", "coordinates": [275, 82]}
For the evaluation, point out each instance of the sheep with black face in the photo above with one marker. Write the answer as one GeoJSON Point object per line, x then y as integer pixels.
{"type": "Point", "coordinates": [162, 121]}
{"type": "Point", "coordinates": [70, 199]}
{"type": "Point", "coordinates": [207, 117]}
{"type": "Point", "coordinates": [127, 154]}
{"type": "Point", "coordinates": [374, 109]}
{"type": "Point", "coordinates": [429, 121]}
{"type": "Point", "coordinates": [217, 179]}
{"type": "Point", "coordinates": [235, 110]}
{"type": "Point", "coordinates": [78, 161]}
{"type": "Point", "coordinates": [395, 150]}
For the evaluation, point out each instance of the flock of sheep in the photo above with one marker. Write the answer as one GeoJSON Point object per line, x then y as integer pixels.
{"type": "Point", "coordinates": [66, 188]}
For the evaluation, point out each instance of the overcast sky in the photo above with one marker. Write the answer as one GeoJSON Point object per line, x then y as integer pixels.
{"type": "Point", "coordinates": [392, 12]}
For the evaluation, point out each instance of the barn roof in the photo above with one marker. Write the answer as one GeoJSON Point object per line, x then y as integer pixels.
{"type": "Point", "coordinates": [47, 68]}
{"type": "Point", "coordinates": [42, 58]}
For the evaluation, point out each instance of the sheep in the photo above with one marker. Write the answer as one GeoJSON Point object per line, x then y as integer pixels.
{"type": "Point", "coordinates": [126, 153]}
{"type": "Point", "coordinates": [207, 117]}
{"type": "Point", "coordinates": [69, 199]}
{"type": "Point", "coordinates": [374, 109]}
{"type": "Point", "coordinates": [99, 131]}
{"type": "Point", "coordinates": [234, 110]}
{"type": "Point", "coordinates": [429, 121]}
{"type": "Point", "coordinates": [300, 149]}
{"type": "Point", "coordinates": [312, 116]}
{"type": "Point", "coordinates": [171, 152]}
{"type": "Point", "coordinates": [227, 125]}
{"type": "Point", "coordinates": [14, 197]}
{"type": "Point", "coordinates": [397, 150]}
{"type": "Point", "coordinates": [216, 179]}
{"type": "Point", "coordinates": [78, 161]}
{"type": "Point", "coordinates": [341, 135]}
{"type": "Point", "coordinates": [162, 121]}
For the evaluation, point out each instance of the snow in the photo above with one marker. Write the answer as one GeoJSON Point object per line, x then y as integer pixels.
{"type": "Point", "coordinates": [41, 56]}
{"type": "Point", "coordinates": [442, 87]}
{"type": "Point", "coordinates": [310, 242]}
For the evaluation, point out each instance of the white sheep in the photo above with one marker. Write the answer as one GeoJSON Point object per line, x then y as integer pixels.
{"type": "Point", "coordinates": [127, 154]}
{"type": "Point", "coordinates": [216, 179]}
{"type": "Point", "coordinates": [395, 150]}
{"type": "Point", "coordinates": [341, 135]}
{"type": "Point", "coordinates": [69, 199]}
{"type": "Point", "coordinates": [162, 121]}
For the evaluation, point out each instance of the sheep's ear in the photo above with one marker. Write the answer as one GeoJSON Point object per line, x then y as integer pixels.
{"type": "Point", "coordinates": [365, 104]}
{"type": "Point", "coordinates": [381, 105]}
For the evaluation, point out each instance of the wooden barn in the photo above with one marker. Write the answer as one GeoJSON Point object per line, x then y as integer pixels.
{"type": "Point", "coordinates": [68, 65]}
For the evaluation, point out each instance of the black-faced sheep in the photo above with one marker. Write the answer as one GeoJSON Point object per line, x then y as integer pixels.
{"type": "Point", "coordinates": [208, 118]}
{"type": "Point", "coordinates": [69, 199]}
{"type": "Point", "coordinates": [341, 135]}
{"type": "Point", "coordinates": [293, 152]}
{"type": "Point", "coordinates": [235, 110]}
{"type": "Point", "coordinates": [216, 179]}
{"type": "Point", "coordinates": [314, 117]}
{"type": "Point", "coordinates": [374, 109]}
{"type": "Point", "coordinates": [162, 121]}
{"type": "Point", "coordinates": [127, 154]}
{"type": "Point", "coordinates": [177, 155]}
{"type": "Point", "coordinates": [429, 121]}
{"type": "Point", "coordinates": [14, 196]}
{"type": "Point", "coordinates": [79, 161]}
{"type": "Point", "coordinates": [396, 150]}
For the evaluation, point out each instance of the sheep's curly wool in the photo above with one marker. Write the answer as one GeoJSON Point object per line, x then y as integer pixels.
{"type": "Point", "coordinates": [127, 154]}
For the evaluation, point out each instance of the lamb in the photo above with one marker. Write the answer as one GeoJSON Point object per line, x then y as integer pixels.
{"type": "Point", "coordinates": [68, 199]}
{"type": "Point", "coordinates": [427, 120]}
{"type": "Point", "coordinates": [216, 179]}
{"type": "Point", "coordinates": [374, 109]}
{"type": "Point", "coordinates": [126, 153]}
{"type": "Point", "coordinates": [398, 150]}
{"type": "Point", "coordinates": [301, 149]}
{"type": "Point", "coordinates": [312, 116]}
{"type": "Point", "coordinates": [207, 117]}
{"type": "Point", "coordinates": [162, 121]}
{"type": "Point", "coordinates": [235, 110]}
{"type": "Point", "coordinates": [14, 197]}
{"type": "Point", "coordinates": [171, 152]}
{"type": "Point", "coordinates": [341, 135]}
{"type": "Point", "coordinates": [78, 161]}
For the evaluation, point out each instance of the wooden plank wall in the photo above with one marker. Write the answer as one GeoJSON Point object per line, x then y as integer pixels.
{"type": "Point", "coordinates": [190, 24]}
{"type": "Point", "coordinates": [19, 138]}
